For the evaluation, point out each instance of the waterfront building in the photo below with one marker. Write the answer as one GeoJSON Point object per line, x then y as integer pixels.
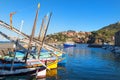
{"type": "Point", "coordinates": [117, 38]}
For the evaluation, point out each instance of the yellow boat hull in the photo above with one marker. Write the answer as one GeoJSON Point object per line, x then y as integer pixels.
{"type": "Point", "coordinates": [52, 65]}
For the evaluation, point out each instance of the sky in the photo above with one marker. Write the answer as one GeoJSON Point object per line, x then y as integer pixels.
{"type": "Point", "coordinates": [78, 15]}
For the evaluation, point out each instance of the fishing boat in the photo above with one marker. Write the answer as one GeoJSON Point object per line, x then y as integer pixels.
{"type": "Point", "coordinates": [69, 44]}
{"type": "Point", "coordinates": [16, 69]}
{"type": "Point", "coordinates": [47, 53]}
{"type": "Point", "coordinates": [47, 58]}
{"type": "Point", "coordinates": [9, 66]}
{"type": "Point", "coordinates": [44, 45]}
{"type": "Point", "coordinates": [29, 64]}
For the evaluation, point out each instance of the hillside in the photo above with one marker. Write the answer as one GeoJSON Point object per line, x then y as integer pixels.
{"type": "Point", "coordinates": [110, 29]}
{"type": "Point", "coordinates": [105, 34]}
{"type": "Point", "coordinates": [70, 35]}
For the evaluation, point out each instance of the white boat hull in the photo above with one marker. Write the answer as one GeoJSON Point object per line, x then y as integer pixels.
{"type": "Point", "coordinates": [41, 74]}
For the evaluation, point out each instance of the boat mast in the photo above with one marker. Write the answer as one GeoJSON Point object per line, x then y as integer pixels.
{"type": "Point", "coordinates": [11, 14]}
{"type": "Point", "coordinates": [39, 37]}
{"type": "Point", "coordinates": [16, 42]}
{"type": "Point", "coordinates": [27, 36]}
{"type": "Point", "coordinates": [32, 35]}
{"type": "Point", "coordinates": [43, 31]}
{"type": "Point", "coordinates": [21, 26]}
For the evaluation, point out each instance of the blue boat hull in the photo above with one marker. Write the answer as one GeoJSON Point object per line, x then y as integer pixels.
{"type": "Point", "coordinates": [69, 45]}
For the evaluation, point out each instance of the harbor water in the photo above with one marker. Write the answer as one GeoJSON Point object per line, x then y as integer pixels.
{"type": "Point", "coordinates": [84, 63]}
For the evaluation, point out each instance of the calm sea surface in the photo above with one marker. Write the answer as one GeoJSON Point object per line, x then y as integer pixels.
{"type": "Point", "coordinates": [83, 63]}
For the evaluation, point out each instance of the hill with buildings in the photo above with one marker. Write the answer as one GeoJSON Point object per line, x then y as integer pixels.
{"type": "Point", "coordinates": [105, 34]}
{"type": "Point", "coordinates": [68, 36]}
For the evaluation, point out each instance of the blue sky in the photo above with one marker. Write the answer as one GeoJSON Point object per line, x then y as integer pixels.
{"type": "Point", "coordinates": [78, 15]}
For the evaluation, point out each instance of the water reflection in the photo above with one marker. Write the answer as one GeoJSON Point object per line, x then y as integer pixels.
{"type": "Point", "coordinates": [56, 74]}
{"type": "Point", "coordinates": [51, 73]}
{"type": "Point", "coordinates": [92, 64]}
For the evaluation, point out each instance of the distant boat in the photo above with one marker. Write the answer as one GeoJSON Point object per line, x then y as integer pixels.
{"type": "Point", "coordinates": [69, 44]}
